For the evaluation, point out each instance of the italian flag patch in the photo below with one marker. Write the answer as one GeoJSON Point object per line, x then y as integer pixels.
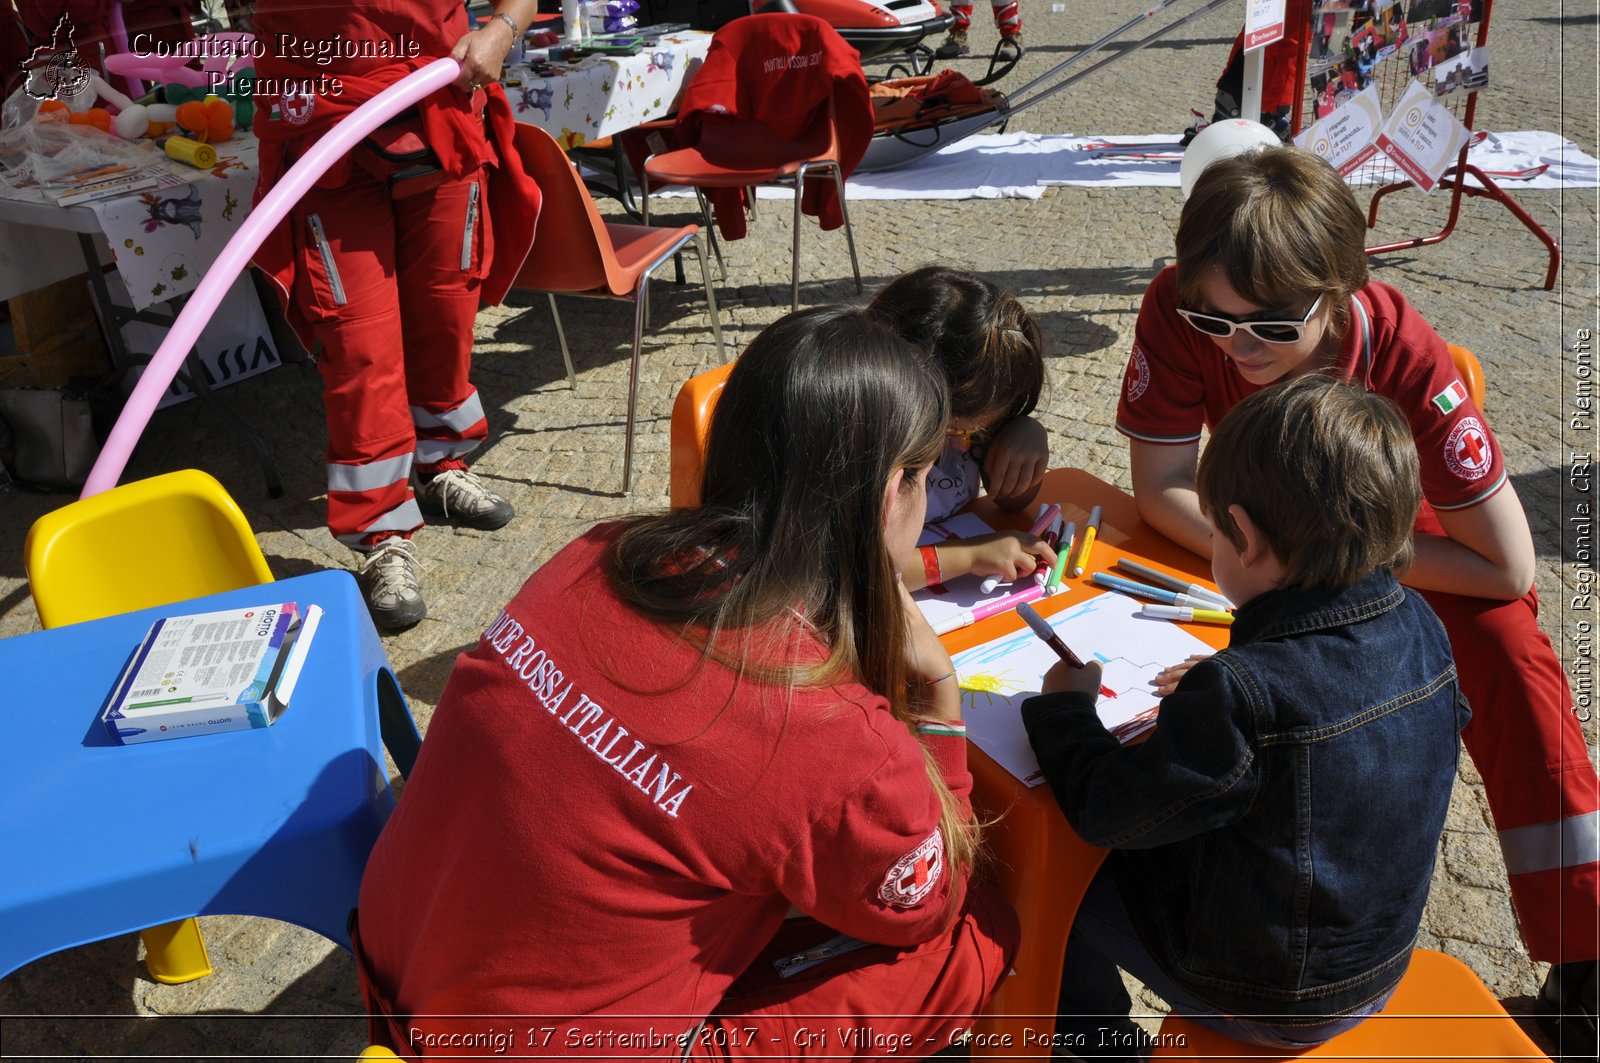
{"type": "Point", "coordinates": [1450, 397]}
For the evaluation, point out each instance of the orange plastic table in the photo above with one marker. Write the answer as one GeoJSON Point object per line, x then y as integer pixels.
{"type": "Point", "coordinates": [1040, 863]}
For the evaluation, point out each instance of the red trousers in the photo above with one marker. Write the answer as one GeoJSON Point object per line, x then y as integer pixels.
{"type": "Point", "coordinates": [869, 1003]}
{"type": "Point", "coordinates": [390, 284]}
{"type": "Point", "coordinates": [1528, 745]}
{"type": "Point", "coordinates": [1007, 17]}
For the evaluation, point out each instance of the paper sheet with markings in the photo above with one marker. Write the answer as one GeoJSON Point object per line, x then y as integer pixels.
{"type": "Point", "coordinates": [998, 676]}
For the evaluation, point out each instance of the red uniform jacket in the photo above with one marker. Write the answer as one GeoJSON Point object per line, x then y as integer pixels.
{"type": "Point", "coordinates": [604, 830]}
{"type": "Point", "coordinates": [453, 126]}
{"type": "Point", "coordinates": [780, 70]}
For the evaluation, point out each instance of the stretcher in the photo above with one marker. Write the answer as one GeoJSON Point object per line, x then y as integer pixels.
{"type": "Point", "coordinates": [902, 135]}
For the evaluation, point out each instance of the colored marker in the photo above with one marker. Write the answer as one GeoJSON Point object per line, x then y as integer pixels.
{"type": "Point", "coordinates": [990, 583]}
{"type": "Point", "coordinates": [1044, 520]}
{"type": "Point", "coordinates": [1193, 590]}
{"type": "Point", "coordinates": [983, 612]}
{"type": "Point", "coordinates": [1068, 533]}
{"type": "Point", "coordinates": [1141, 590]}
{"type": "Point", "coordinates": [1042, 628]}
{"type": "Point", "coordinates": [1091, 530]}
{"type": "Point", "coordinates": [1184, 612]}
{"type": "Point", "coordinates": [1052, 534]}
{"type": "Point", "coordinates": [1041, 575]}
{"type": "Point", "coordinates": [1158, 594]}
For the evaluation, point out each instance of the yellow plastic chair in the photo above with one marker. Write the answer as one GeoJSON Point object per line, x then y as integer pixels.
{"type": "Point", "coordinates": [165, 539]}
{"type": "Point", "coordinates": [1440, 1012]}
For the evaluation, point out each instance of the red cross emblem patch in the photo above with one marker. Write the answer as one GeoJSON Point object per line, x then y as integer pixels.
{"type": "Point", "coordinates": [1138, 374]}
{"type": "Point", "coordinates": [297, 105]}
{"type": "Point", "coordinates": [1467, 451]}
{"type": "Point", "coordinates": [914, 875]}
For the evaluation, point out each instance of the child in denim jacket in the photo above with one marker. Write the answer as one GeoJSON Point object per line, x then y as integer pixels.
{"type": "Point", "coordinates": [1275, 837]}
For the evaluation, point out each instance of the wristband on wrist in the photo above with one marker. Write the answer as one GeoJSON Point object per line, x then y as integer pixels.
{"type": "Point", "coordinates": [930, 563]}
{"type": "Point", "coordinates": [951, 674]}
{"type": "Point", "coordinates": [516, 30]}
{"type": "Point", "coordinates": [952, 728]}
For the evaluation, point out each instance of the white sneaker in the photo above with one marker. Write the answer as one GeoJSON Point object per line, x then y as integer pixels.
{"type": "Point", "coordinates": [388, 579]}
{"type": "Point", "coordinates": [459, 496]}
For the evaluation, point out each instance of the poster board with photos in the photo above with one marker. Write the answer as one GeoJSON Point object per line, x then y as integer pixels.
{"type": "Point", "coordinates": [1360, 50]}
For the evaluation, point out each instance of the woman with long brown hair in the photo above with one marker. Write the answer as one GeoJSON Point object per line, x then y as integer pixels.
{"type": "Point", "coordinates": [706, 775]}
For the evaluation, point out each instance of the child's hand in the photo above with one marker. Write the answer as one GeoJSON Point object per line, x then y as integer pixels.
{"type": "Point", "coordinates": [1007, 554]}
{"type": "Point", "coordinates": [1015, 462]}
{"type": "Point", "coordinates": [1166, 680]}
{"type": "Point", "coordinates": [1062, 678]}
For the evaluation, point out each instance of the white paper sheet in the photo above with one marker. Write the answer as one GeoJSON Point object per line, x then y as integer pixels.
{"type": "Point", "coordinates": [998, 676]}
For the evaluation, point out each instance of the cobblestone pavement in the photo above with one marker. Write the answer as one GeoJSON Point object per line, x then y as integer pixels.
{"type": "Point", "coordinates": [1079, 257]}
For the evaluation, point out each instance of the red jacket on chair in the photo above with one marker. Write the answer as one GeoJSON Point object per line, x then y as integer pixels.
{"type": "Point", "coordinates": [781, 70]}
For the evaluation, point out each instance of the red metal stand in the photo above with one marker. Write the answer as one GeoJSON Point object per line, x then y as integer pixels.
{"type": "Point", "coordinates": [1454, 178]}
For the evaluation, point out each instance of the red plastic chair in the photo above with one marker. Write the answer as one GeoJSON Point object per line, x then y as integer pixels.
{"type": "Point", "coordinates": [742, 151]}
{"type": "Point", "coordinates": [576, 252]}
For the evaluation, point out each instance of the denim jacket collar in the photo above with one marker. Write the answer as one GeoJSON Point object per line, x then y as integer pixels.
{"type": "Point", "coordinates": [1296, 611]}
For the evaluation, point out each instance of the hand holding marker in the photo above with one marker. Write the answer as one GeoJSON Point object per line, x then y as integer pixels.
{"type": "Point", "coordinates": [1047, 517]}
{"type": "Point", "coordinates": [1041, 627]}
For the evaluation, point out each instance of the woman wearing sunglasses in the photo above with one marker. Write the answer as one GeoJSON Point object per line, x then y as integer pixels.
{"type": "Point", "coordinates": [1271, 283]}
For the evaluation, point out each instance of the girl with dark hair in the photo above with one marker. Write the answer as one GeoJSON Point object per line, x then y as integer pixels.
{"type": "Point", "coordinates": [992, 355]}
{"type": "Point", "coordinates": [707, 770]}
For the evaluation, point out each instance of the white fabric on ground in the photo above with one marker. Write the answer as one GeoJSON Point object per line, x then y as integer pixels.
{"type": "Point", "coordinates": [1023, 165]}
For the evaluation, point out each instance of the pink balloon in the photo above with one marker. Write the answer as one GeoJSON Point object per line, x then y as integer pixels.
{"type": "Point", "coordinates": [176, 68]}
{"type": "Point", "coordinates": [235, 256]}
{"type": "Point", "coordinates": [119, 37]}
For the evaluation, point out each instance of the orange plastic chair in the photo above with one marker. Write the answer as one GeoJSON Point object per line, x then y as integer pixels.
{"type": "Point", "coordinates": [741, 152]}
{"type": "Point", "coordinates": [146, 543]}
{"type": "Point", "coordinates": [1440, 1011]}
{"type": "Point", "coordinates": [1471, 373]}
{"type": "Point", "coordinates": [690, 430]}
{"type": "Point", "coordinates": [576, 252]}
{"type": "Point", "coordinates": [1043, 868]}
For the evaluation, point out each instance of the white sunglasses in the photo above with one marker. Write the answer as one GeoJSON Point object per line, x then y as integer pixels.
{"type": "Point", "coordinates": [1221, 326]}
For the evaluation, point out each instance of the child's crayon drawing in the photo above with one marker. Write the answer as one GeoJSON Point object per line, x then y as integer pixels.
{"type": "Point", "coordinates": [998, 676]}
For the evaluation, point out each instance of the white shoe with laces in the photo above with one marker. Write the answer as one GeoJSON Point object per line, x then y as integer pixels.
{"type": "Point", "coordinates": [460, 497]}
{"type": "Point", "coordinates": [387, 575]}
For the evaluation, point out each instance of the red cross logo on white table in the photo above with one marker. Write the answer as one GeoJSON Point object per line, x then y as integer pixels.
{"type": "Point", "coordinates": [1467, 451]}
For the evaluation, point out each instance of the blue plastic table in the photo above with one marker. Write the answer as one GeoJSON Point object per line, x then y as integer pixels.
{"type": "Point", "coordinates": [102, 839]}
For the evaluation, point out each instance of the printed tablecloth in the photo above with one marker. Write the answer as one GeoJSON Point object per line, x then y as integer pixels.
{"type": "Point", "coordinates": [601, 95]}
{"type": "Point", "coordinates": [163, 238]}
